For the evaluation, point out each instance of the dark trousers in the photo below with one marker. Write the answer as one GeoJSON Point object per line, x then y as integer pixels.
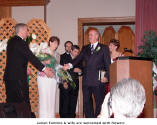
{"type": "Point", "coordinates": [99, 93]}
{"type": "Point", "coordinates": [17, 91]}
{"type": "Point", "coordinates": [68, 101]}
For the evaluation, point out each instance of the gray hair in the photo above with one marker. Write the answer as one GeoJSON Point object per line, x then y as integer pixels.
{"type": "Point", "coordinates": [128, 97]}
{"type": "Point", "coordinates": [19, 26]}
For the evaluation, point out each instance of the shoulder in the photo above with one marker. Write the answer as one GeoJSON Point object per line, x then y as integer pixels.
{"type": "Point", "coordinates": [17, 38]}
{"type": "Point", "coordinates": [14, 40]}
{"type": "Point", "coordinates": [120, 54]}
{"type": "Point", "coordinates": [103, 46]}
{"type": "Point", "coordinates": [85, 47]}
{"type": "Point", "coordinates": [63, 54]}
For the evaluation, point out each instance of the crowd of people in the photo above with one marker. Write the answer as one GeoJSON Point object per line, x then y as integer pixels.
{"type": "Point", "coordinates": [88, 62]}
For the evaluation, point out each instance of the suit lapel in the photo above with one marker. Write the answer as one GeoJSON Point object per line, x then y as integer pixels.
{"type": "Point", "coordinates": [96, 48]}
{"type": "Point", "coordinates": [89, 50]}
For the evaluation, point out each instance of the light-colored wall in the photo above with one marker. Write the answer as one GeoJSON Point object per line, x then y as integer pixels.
{"type": "Point", "coordinates": [62, 15]}
{"type": "Point", "coordinates": [26, 13]}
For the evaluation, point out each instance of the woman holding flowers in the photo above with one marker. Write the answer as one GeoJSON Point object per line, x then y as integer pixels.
{"type": "Point", "coordinates": [47, 86]}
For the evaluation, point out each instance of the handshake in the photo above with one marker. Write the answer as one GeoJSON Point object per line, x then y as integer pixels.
{"type": "Point", "coordinates": [66, 67]}
{"type": "Point", "coordinates": [49, 72]}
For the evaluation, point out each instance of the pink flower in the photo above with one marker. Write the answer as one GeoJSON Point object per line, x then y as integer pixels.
{"type": "Point", "coordinates": [42, 74]}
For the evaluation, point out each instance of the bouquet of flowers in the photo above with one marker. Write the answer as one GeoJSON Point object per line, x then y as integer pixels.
{"type": "Point", "coordinates": [43, 53]}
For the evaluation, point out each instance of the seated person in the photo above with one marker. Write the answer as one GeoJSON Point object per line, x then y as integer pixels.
{"type": "Point", "coordinates": [125, 100]}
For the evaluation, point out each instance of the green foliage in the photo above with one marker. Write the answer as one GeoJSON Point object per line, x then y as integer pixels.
{"type": "Point", "coordinates": [29, 39]}
{"type": "Point", "coordinates": [149, 47]}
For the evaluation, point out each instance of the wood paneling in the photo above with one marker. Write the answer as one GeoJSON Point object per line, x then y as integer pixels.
{"type": "Point", "coordinates": [127, 39]}
{"type": "Point", "coordinates": [23, 2]}
{"type": "Point", "coordinates": [109, 33]}
{"type": "Point", "coordinates": [5, 12]}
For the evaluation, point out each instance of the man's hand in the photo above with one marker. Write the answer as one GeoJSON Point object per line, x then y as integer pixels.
{"type": "Point", "coordinates": [66, 67]}
{"type": "Point", "coordinates": [65, 85]}
{"type": "Point", "coordinates": [48, 72]}
{"type": "Point", "coordinates": [104, 79]}
{"type": "Point", "coordinates": [77, 70]}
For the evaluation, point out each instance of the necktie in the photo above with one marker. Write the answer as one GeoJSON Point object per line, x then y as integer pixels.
{"type": "Point", "coordinates": [92, 49]}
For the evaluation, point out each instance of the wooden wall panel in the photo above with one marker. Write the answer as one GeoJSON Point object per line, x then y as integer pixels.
{"type": "Point", "coordinates": [109, 33]}
{"type": "Point", "coordinates": [127, 39]}
{"type": "Point", "coordinates": [5, 12]}
{"type": "Point", "coordinates": [23, 2]}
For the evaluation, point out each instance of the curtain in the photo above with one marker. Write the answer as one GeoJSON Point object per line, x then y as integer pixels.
{"type": "Point", "coordinates": [146, 19]}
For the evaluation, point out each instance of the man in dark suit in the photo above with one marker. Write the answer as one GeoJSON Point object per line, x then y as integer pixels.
{"type": "Point", "coordinates": [64, 59]}
{"type": "Point", "coordinates": [15, 76]}
{"type": "Point", "coordinates": [96, 57]}
{"type": "Point", "coordinates": [68, 95]}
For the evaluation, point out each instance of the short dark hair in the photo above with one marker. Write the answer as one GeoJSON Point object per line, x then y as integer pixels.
{"type": "Point", "coordinates": [52, 39]}
{"type": "Point", "coordinates": [115, 42]}
{"type": "Point", "coordinates": [68, 42]}
{"type": "Point", "coordinates": [75, 47]}
{"type": "Point", "coordinates": [18, 26]}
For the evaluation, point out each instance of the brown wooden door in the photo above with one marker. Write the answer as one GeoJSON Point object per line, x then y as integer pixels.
{"type": "Point", "coordinates": [126, 38]}
{"type": "Point", "coordinates": [5, 12]}
{"type": "Point", "coordinates": [109, 33]}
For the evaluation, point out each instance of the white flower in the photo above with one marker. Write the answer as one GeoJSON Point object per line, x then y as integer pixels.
{"type": "Point", "coordinates": [44, 48]}
{"type": "Point", "coordinates": [3, 45]}
{"type": "Point", "coordinates": [98, 48]}
{"type": "Point", "coordinates": [34, 47]}
{"type": "Point", "coordinates": [34, 36]}
{"type": "Point", "coordinates": [43, 45]}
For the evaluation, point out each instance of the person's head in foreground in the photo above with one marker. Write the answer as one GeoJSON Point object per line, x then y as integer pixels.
{"type": "Point", "coordinates": [126, 99]}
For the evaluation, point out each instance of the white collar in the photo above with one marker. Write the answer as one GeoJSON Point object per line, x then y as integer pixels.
{"type": "Point", "coordinates": [67, 53]}
{"type": "Point", "coordinates": [20, 36]}
{"type": "Point", "coordinates": [95, 44]}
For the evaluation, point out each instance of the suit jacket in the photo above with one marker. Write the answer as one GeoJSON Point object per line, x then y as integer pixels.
{"type": "Point", "coordinates": [99, 60]}
{"type": "Point", "coordinates": [65, 58]}
{"type": "Point", "coordinates": [18, 55]}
